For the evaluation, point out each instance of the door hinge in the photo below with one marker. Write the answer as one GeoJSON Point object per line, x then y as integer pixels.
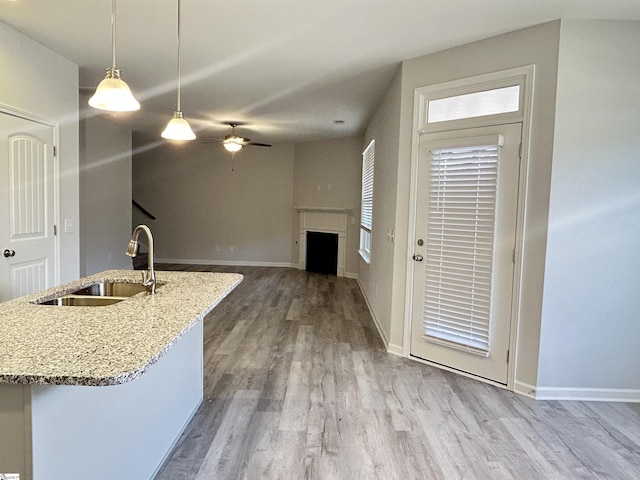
{"type": "Point", "coordinates": [507, 356]}
{"type": "Point", "coordinates": [55, 230]}
{"type": "Point", "coordinates": [55, 151]}
{"type": "Point", "coordinates": [520, 151]}
{"type": "Point", "coordinates": [513, 256]}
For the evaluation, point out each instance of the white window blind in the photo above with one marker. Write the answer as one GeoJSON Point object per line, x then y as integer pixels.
{"type": "Point", "coordinates": [459, 255]}
{"type": "Point", "coordinates": [366, 209]}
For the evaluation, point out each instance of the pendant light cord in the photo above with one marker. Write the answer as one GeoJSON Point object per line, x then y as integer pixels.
{"type": "Point", "coordinates": [179, 63]}
{"type": "Point", "coordinates": [113, 33]}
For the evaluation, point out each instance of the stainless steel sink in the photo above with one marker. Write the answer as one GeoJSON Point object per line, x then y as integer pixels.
{"type": "Point", "coordinates": [97, 294]}
{"type": "Point", "coordinates": [81, 301]}
{"type": "Point", "coordinates": [112, 289]}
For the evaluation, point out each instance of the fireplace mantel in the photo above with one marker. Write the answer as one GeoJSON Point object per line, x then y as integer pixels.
{"type": "Point", "coordinates": [324, 219]}
{"type": "Point", "coordinates": [346, 211]}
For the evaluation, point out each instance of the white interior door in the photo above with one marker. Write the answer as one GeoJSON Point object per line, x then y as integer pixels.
{"type": "Point", "coordinates": [464, 248]}
{"type": "Point", "coordinates": [27, 239]}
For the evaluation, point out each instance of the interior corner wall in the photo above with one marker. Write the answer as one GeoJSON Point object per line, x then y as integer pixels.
{"type": "Point", "coordinates": [327, 173]}
{"type": "Point", "coordinates": [590, 315]}
{"type": "Point", "coordinates": [105, 192]}
{"type": "Point", "coordinates": [211, 209]}
{"type": "Point", "coordinates": [377, 278]}
{"type": "Point", "coordinates": [39, 82]}
{"type": "Point", "coordinates": [536, 45]}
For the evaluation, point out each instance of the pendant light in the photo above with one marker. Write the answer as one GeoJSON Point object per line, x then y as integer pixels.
{"type": "Point", "coordinates": [113, 94]}
{"type": "Point", "coordinates": [178, 128]}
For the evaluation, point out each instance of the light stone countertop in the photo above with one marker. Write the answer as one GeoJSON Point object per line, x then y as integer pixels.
{"type": "Point", "coordinates": [106, 345]}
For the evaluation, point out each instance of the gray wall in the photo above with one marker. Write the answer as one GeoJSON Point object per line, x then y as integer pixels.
{"type": "Point", "coordinates": [38, 81]}
{"type": "Point", "coordinates": [208, 213]}
{"type": "Point", "coordinates": [105, 192]}
{"type": "Point", "coordinates": [591, 310]}
{"type": "Point", "coordinates": [328, 174]}
{"type": "Point", "coordinates": [578, 318]}
{"type": "Point", "coordinates": [205, 205]}
{"type": "Point", "coordinates": [537, 45]}
{"type": "Point", "coordinates": [377, 278]}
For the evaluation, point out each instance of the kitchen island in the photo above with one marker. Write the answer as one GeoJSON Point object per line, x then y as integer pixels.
{"type": "Point", "coordinates": [102, 391]}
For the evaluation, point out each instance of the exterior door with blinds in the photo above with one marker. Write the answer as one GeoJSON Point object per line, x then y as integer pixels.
{"type": "Point", "coordinates": [464, 249]}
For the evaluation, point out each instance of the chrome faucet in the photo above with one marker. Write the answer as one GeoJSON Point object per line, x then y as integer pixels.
{"type": "Point", "coordinates": [148, 277]}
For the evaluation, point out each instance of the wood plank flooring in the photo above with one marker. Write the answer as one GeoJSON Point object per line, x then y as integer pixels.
{"type": "Point", "coordinates": [298, 386]}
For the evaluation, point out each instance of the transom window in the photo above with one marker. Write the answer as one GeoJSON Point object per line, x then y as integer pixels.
{"type": "Point", "coordinates": [477, 104]}
{"type": "Point", "coordinates": [483, 100]}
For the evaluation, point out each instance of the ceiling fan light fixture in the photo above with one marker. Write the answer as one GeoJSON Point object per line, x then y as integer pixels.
{"type": "Point", "coordinates": [112, 93]}
{"type": "Point", "coordinates": [232, 146]}
{"type": "Point", "coordinates": [178, 128]}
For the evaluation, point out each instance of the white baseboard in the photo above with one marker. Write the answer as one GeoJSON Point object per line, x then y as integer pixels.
{"type": "Point", "coordinates": [384, 338]}
{"type": "Point", "coordinates": [578, 394]}
{"type": "Point", "coordinates": [524, 389]}
{"type": "Point", "coordinates": [395, 349]}
{"type": "Point", "coordinates": [237, 263]}
{"type": "Point", "coordinates": [588, 394]}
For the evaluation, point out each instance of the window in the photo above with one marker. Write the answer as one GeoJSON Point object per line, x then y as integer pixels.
{"type": "Point", "coordinates": [477, 104]}
{"type": "Point", "coordinates": [366, 208]}
{"type": "Point", "coordinates": [489, 99]}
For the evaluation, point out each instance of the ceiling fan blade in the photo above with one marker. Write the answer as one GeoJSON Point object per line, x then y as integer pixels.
{"type": "Point", "coordinates": [210, 140]}
{"type": "Point", "coordinates": [256, 144]}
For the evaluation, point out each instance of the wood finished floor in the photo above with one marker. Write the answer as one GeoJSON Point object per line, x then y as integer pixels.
{"type": "Point", "coordinates": [298, 386]}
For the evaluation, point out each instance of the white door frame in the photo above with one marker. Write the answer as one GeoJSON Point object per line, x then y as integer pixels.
{"type": "Point", "coordinates": [8, 109]}
{"type": "Point", "coordinates": [525, 76]}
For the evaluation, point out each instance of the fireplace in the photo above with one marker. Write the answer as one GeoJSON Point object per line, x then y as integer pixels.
{"type": "Point", "coordinates": [322, 252]}
{"type": "Point", "coordinates": [324, 220]}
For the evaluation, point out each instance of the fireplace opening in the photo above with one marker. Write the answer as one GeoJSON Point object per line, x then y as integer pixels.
{"type": "Point", "coordinates": [322, 252]}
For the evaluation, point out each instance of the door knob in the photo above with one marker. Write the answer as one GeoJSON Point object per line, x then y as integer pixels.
{"type": "Point", "coordinates": [418, 258]}
{"type": "Point", "coordinates": [9, 253]}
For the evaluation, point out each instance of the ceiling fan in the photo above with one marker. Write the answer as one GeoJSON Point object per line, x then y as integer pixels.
{"type": "Point", "coordinates": [234, 143]}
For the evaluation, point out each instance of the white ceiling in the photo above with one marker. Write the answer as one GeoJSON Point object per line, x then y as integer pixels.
{"type": "Point", "coordinates": [284, 68]}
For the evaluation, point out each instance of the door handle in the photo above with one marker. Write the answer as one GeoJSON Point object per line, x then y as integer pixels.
{"type": "Point", "coordinates": [9, 253]}
{"type": "Point", "coordinates": [418, 257]}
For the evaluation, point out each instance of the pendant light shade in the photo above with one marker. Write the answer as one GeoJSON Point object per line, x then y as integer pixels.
{"type": "Point", "coordinates": [112, 93]}
{"type": "Point", "coordinates": [178, 128]}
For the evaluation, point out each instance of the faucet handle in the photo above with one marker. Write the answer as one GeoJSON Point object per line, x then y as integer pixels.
{"type": "Point", "coordinates": [149, 281]}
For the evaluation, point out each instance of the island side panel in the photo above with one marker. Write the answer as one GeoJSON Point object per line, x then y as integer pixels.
{"type": "Point", "coordinates": [15, 430]}
{"type": "Point", "coordinates": [120, 431]}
